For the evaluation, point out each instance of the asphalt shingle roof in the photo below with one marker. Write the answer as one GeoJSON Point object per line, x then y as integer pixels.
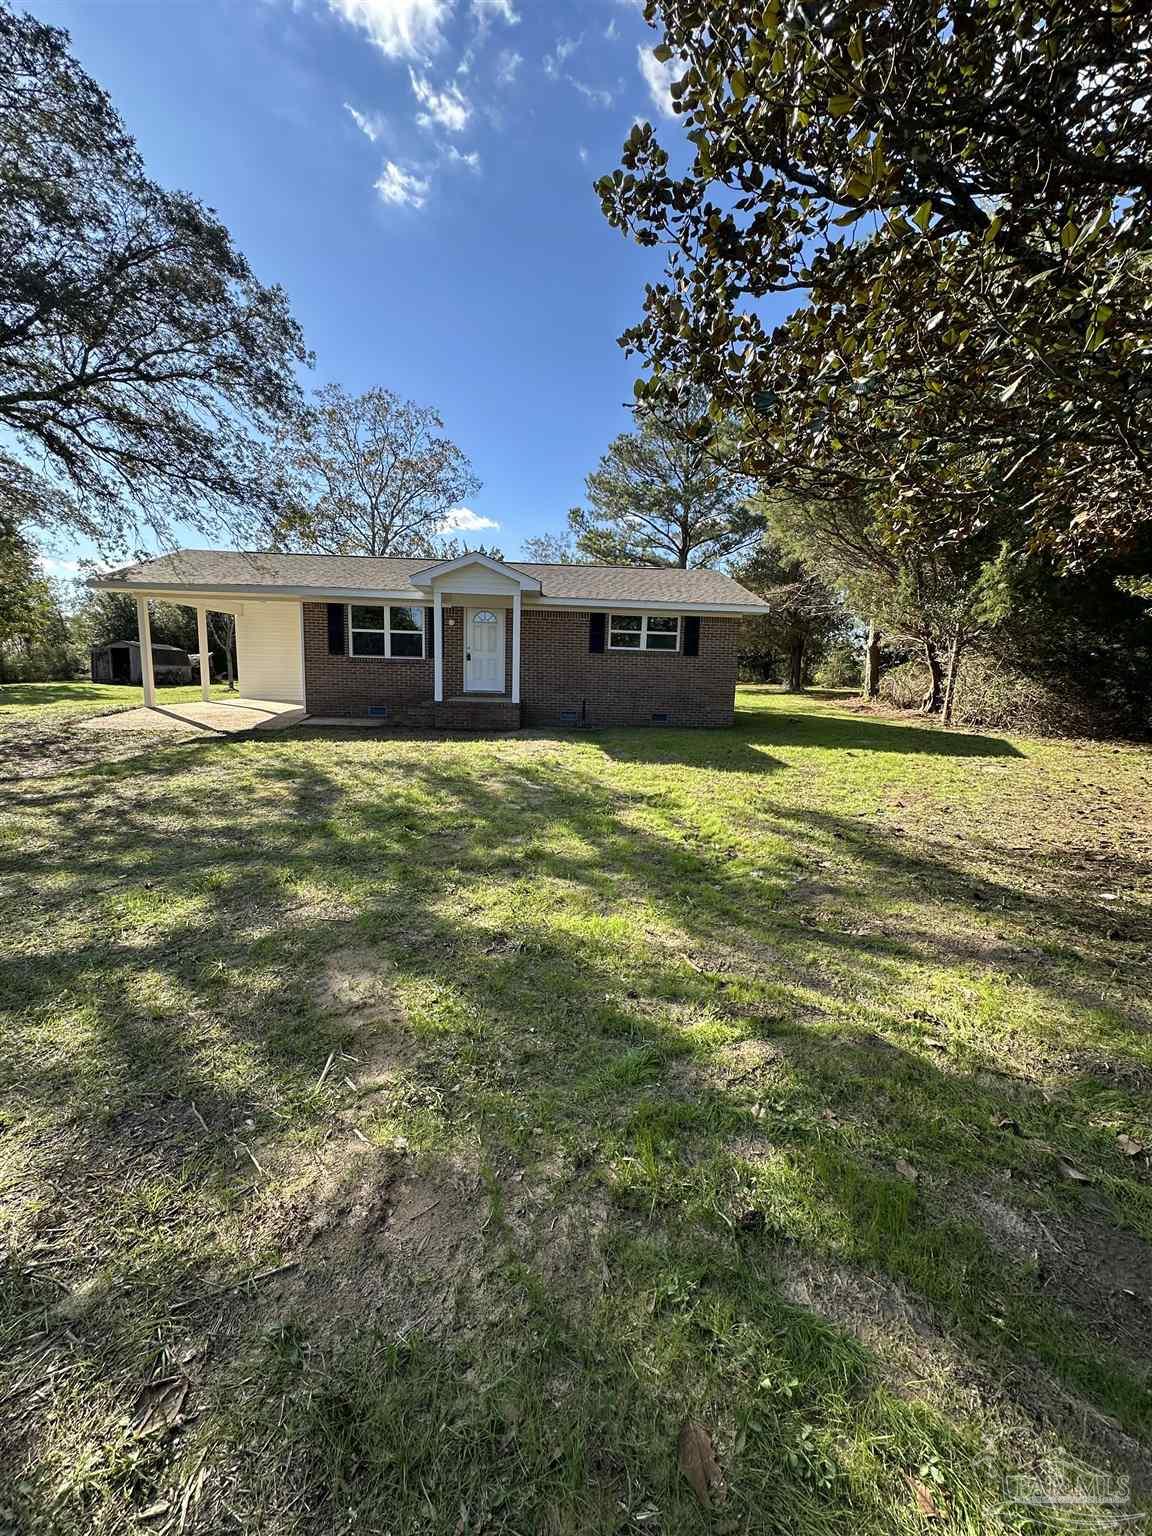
{"type": "Point", "coordinates": [225, 570]}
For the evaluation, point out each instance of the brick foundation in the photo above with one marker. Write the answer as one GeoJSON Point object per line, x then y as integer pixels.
{"type": "Point", "coordinates": [559, 676]}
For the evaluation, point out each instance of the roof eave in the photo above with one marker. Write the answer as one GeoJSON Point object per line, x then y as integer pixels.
{"type": "Point", "coordinates": [171, 591]}
{"type": "Point", "coordinates": [653, 605]}
{"type": "Point", "coordinates": [176, 591]}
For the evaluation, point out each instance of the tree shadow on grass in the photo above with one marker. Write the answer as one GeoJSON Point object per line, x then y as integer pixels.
{"type": "Point", "coordinates": [545, 1026]}
{"type": "Point", "coordinates": [748, 745]}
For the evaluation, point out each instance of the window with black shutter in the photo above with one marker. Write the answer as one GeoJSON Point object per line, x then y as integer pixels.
{"type": "Point", "coordinates": [337, 634]}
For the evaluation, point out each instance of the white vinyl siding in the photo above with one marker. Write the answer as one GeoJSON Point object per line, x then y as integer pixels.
{"type": "Point", "coordinates": [268, 652]}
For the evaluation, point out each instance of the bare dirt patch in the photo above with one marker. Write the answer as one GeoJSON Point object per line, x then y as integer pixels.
{"type": "Point", "coordinates": [355, 988]}
{"type": "Point", "coordinates": [377, 1238]}
{"type": "Point", "coordinates": [1085, 1262]}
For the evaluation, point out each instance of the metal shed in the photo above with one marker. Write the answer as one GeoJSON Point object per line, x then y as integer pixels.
{"type": "Point", "coordinates": [119, 662]}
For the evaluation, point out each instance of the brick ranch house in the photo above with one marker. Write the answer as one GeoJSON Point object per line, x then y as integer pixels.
{"type": "Point", "coordinates": [471, 643]}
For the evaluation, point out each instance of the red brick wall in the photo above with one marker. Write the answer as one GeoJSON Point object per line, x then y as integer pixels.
{"type": "Point", "coordinates": [557, 673]}
{"type": "Point", "coordinates": [350, 685]}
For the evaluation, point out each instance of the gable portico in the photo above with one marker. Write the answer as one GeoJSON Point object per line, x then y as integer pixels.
{"type": "Point", "coordinates": [481, 588]}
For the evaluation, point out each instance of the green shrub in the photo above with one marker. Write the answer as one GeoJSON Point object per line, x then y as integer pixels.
{"type": "Point", "coordinates": [841, 667]}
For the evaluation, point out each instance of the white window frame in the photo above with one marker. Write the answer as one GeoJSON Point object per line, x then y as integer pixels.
{"type": "Point", "coordinates": [354, 630]}
{"type": "Point", "coordinates": [656, 650]}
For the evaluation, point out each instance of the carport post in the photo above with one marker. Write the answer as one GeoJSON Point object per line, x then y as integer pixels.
{"type": "Point", "coordinates": [205, 658]}
{"type": "Point", "coordinates": [144, 630]}
{"type": "Point", "coordinates": [517, 600]}
{"type": "Point", "coordinates": [438, 647]}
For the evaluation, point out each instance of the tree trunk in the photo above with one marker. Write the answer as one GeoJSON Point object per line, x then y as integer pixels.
{"type": "Point", "coordinates": [953, 677]}
{"type": "Point", "coordinates": [932, 698]}
{"type": "Point", "coordinates": [796, 666]}
{"type": "Point", "coordinates": [228, 628]}
{"type": "Point", "coordinates": [871, 689]}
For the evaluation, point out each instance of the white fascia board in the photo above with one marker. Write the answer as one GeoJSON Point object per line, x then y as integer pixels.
{"type": "Point", "coordinates": [647, 605]}
{"type": "Point", "coordinates": [192, 594]}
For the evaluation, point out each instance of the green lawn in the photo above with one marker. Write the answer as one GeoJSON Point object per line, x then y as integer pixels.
{"type": "Point", "coordinates": [447, 1121]}
{"type": "Point", "coordinates": [36, 702]}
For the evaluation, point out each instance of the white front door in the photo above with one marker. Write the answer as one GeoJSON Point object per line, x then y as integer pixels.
{"type": "Point", "coordinates": [484, 650]}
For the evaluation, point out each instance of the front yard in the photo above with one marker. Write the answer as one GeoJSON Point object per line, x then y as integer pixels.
{"type": "Point", "coordinates": [410, 1135]}
{"type": "Point", "coordinates": [38, 722]}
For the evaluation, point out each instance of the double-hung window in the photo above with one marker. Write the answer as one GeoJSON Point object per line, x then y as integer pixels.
{"type": "Point", "coordinates": [391, 632]}
{"type": "Point", "coordinates": [643, 632]}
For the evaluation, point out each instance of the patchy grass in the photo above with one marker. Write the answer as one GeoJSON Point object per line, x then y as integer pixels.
{"type": "Point", "coordinates": [449, 1120]}
{"type": "Point", "coordinates": [37, 735]}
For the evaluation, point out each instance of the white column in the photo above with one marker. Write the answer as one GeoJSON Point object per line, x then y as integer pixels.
{"type": "Point", "coordinates": [438, 647]}
{"type": "Point", "coordinates": [205, 657]}
{"type": "Point", "coordinates": [144, 630]}
{"type": "Point", "coordinates": [516, 601]}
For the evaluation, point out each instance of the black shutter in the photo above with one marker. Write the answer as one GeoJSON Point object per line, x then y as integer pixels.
{"type": "Point", "coordinates": [691, 637]}
{"type": "Point", "coordinates": [337, 632]}
{"type": "Point", "coordinates": [429, 632]}
{"type": "Point", "coordinates": [596, 631]}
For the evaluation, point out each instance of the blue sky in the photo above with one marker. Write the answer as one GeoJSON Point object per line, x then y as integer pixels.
{"type": "Point", "coordinates": [418, 175]}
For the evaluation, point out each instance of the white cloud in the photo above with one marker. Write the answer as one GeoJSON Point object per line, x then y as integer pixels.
{"type": "Point", "coordinates": [658, 78]}
{"type": "Point", "coordinates": [51, 566]}
{"type": "Point", "coordinates": [464, 520]}
{"type": "Point", "coordinates": [583, 153]}
{"type": "Point", "coordinates": [400, 188]}
{"type": "Point", "coordinates": [370, 124]}
{"type": "Point", "coordinates": [507, 67]}
{"type": "Point", "coordinates": [495, 10]}
{"type": "Point", "coordinates": [449, 108]}
{"type": "Point", "coordinates": [403, 29]}
{"type": "Point", "coordinates": [455, 157]}
{"type": "Point", "coordinates": [610, 31]}
{"type": "Point", "coordinates": [564, 49]}
{"type": "Point", "coordinates": [593, 93]}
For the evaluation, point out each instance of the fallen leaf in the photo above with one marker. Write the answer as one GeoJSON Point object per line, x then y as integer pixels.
{"type": "Point", "coordinates": [158, 1406]}
{"type": "Point", "coordinates": [1009, 1125]}
{"type": "Point", "coordinates": [698, 1463]}
{"type": "Point", "coordinates": [905, 1169]}
{"type": "Point", "coordinates": [925, 1503]}
{"type": "Point", "coordinates": [1130, 1146]}
{"type": "Point", "coordinates": [1071, 1172]}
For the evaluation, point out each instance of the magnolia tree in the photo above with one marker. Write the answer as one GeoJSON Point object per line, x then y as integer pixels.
{"type": "Point", "coordinates": [958, 196]}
